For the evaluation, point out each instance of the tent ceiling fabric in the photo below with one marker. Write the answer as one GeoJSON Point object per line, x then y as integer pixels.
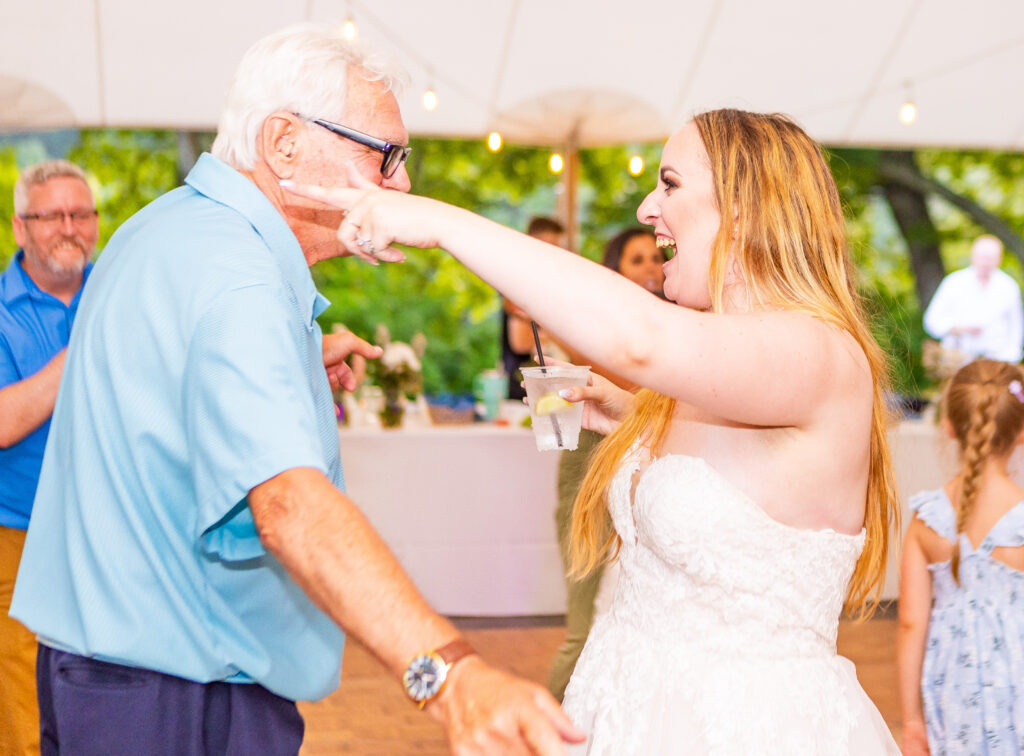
{"type": "Point", "coordinates": [548, 71]}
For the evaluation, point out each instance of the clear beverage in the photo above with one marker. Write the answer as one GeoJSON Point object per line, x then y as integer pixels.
{"type": "Point", "coordinates": [555, 425]}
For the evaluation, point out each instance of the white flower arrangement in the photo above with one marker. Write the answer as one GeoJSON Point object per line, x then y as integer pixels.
{"type": "Point", "coordinates": [399, 370]}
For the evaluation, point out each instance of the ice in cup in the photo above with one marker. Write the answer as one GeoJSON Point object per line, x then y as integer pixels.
{"type": "Point", "coordinates": [556, 422]}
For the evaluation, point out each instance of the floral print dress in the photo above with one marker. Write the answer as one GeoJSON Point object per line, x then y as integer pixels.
{"type": "Point", "coordinates": [972, 681]}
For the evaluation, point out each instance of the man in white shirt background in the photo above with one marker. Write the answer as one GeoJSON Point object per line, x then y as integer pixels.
{"type": "Point", "coordinates": [978, 310]}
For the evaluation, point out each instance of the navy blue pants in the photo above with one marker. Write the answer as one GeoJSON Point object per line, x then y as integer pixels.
{"type": "Point", "coordinates": [92, 708]}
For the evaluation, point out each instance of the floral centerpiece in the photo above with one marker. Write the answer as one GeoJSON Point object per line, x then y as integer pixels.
{"type": "Point", "coordinates": [399, 374]}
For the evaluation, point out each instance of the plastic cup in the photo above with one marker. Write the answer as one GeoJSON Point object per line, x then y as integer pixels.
{"type": "Point", "coordinates": [558, 429]}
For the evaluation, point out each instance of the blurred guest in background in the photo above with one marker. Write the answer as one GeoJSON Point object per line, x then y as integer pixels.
{"type": "Point", "coordinates": [635, 254]}
{"type": "Point", "coordinates": [517, 345]}
{"type": "Point", "coordinates": [55, 225]}
{"type": "Point", "coordinates": [977, 310]}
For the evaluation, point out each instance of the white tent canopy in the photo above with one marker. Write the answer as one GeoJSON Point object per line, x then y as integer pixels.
{"type": "Point", "coordinates": [548, 72]}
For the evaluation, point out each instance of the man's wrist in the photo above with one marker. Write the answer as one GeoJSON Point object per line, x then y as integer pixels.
{"type": "Point", "coordinates": [427, 674]}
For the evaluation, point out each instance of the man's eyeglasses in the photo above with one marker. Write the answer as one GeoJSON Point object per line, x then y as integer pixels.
{"type": "Point", "coordinates": [394, 154]}
{"type": "Point", "coordinates": [56, 217]}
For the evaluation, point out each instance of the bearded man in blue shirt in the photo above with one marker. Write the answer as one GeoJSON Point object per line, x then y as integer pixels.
{"type": "Point", "coordinates": [192, 560]}
{"type": "Point", "coordinates": [55, 226]}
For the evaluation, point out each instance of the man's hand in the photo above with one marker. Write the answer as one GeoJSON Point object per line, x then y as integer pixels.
{"type": "Point", "coordinates": [338, 346]}
{"type": "Point", "coordinates": [486, 711]}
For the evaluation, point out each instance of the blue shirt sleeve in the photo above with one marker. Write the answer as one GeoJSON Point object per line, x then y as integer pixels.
{"type": "Point", "coordinates": [8, 370]}
{"type": "Point", "coordinates": [249, 411]}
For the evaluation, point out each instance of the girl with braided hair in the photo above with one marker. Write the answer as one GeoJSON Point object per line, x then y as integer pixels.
{"type": "Point", "coordinates": [961, 608]}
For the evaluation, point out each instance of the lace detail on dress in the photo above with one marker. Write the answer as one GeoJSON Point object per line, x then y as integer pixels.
{"type": "Point", "coordinates": [721, 635]}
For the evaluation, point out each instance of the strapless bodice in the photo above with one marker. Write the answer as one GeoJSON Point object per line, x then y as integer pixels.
{"type": "Point", "coordinates": [698, 553]}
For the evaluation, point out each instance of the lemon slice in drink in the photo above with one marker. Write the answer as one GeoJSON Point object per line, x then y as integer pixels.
{"type": "Point", "coordinates": [550, 403]}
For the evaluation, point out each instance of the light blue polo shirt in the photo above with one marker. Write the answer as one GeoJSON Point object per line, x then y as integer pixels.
{"type": "Point", "coordinates": [195, 372]}
{"type": "Point", "coordinates": [34, 327]}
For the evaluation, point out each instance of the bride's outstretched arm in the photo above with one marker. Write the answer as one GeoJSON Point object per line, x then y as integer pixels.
{"type": "Point", "coordinates": [764, 369]}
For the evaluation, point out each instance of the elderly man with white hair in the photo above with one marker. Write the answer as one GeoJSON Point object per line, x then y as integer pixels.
{"type": "Point", "coordinates": [192, 560]}
{"type": "Point", "coordinates": [977, 310]}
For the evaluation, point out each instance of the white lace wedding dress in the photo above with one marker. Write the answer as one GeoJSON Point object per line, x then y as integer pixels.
{"type": "Point", "coordinates": [720, 638]}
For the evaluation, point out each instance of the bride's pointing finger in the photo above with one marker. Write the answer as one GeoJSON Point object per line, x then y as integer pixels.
{"type": "Point", "coordinates": [343, 198]}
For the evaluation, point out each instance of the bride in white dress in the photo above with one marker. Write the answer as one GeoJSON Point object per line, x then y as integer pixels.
{"type": "Point", "coordinates": [747, 494]}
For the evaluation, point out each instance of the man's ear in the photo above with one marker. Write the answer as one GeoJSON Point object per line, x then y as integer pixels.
{"type": "Point", "coordinates": [279, 145]}
{"type": "Point", "coordinates": [18, 226]}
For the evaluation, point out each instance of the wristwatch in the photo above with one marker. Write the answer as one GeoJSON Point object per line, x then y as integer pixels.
{"type": "Point", "coordinates": [425, 676]}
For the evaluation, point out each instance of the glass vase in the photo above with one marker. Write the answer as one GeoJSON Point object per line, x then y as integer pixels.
{"type": "Point", "coordinates": [393, 410]}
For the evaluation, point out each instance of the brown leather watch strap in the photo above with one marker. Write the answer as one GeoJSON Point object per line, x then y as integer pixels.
{"type": "Point", "coordinates": [455, 650]}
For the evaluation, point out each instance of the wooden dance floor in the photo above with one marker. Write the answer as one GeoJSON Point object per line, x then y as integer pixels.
{"type": "Point", "coordinates": [370, 716]}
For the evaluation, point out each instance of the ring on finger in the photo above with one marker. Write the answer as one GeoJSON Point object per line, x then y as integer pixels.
{"type": "Point", "coordinates": [366, 245]}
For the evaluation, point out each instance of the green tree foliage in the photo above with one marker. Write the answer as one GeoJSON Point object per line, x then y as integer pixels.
{"type": "Point", "coordinates": [435, 295]}
{"type": "Point", "coordinates": [609, 195]}
{"type": "Point", "coordinates": [983, 179]}
{"type": "Point", "coordinates": [130, 169]}
{"type": "Point", "coordinates": [8, 177]}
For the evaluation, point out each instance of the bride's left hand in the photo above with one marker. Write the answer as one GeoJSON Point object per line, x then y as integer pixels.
{"type": "Point", "coordinates": [375, 218]}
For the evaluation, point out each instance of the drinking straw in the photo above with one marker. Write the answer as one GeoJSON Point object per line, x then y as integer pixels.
{"type": "Point", "coordinates": [540, 359]}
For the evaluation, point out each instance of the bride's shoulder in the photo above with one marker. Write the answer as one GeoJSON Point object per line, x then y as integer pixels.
{"type": "Point", "coordinates": [830, 343]}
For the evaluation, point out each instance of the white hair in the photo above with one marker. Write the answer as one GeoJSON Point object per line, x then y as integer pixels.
{"type": "Point", "coordinates": [39, 174]}
{"type": "Point", "coordinates": [301, 69]}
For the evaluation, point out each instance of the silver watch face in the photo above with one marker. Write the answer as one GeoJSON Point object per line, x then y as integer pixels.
{"type": "Point", "coordinates": [424, 677]}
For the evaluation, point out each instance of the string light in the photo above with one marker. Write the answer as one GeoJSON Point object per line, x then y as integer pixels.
{"type": "Point", "coordinates": [430, 99]}
{"type": "Point", "coordinates": [555, 163]}
{"type": "Point", "coordinates": [349, 30]}
{"type": "Point", "coordinates": [494, 141]}
{"type": "Point", "coordinates": [636, 165]}
{"type": "Point", "coordinates": [908, 110]}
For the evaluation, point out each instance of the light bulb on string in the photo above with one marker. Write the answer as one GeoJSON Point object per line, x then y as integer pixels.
{"type": "Point", "coordinates": [636, 165]}
{"type": "Point", "coordinates": [908, 110]}
{"type": "Point", "coordinates": [494, 141]}
{"type": "Point", "coordinates": [349, 30]}
{"type": "Point", "coordinates": [556, 163]}
{"type": "Point", "coordinates": [429, 99]}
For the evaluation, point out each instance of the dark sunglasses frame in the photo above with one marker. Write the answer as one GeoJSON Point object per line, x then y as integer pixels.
{"type": "Point", "coordinates": [394, 154]}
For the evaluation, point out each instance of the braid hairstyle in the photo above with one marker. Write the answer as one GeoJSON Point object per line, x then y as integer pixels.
{"type": "Point", "coordinates": [987, 418]}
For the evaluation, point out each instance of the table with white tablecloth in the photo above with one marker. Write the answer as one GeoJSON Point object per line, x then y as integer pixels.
{"type": "Point", "coordinates": [469, 510]}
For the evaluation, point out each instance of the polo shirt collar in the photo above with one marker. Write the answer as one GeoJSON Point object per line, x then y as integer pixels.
{"type": "Point", "coordinates": [16, 284]}
{"type": "Point", "coordinates": [222, 183]}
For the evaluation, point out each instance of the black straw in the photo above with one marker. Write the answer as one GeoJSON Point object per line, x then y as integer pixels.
{"type": "Point", "coordinates": [540, 359]}
{"type": "Point", "coordinates": [536, 341]}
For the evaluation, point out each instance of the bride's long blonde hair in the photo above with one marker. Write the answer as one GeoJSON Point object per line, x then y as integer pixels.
{"type": "Point", "coordinates": [792, 254]}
